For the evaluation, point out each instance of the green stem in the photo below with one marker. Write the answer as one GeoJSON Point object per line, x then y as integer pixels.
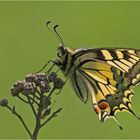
{"type": "Point", "coordinates": [51, 117]}
{"type": "Point", "coordinates": [22, 99]}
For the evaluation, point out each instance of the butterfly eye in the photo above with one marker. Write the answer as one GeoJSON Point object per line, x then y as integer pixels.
{"type": "Point", "coordinates": [62, 50]}
{"type": "Point", "coordinates": [58, 54]}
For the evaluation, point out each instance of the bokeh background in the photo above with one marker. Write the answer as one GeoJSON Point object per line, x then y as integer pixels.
{"type": "Point", "coordinates": [26, 45]}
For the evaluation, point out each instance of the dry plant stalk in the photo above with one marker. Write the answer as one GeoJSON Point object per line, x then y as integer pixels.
{"type": "Point", "coordinates": [36, 91]}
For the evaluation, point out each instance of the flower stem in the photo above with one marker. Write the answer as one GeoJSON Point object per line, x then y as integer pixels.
{"type": "Point", "coordinates": [54, 114]}
{"type": "Point", "coordinates": [32, 107]}
{"type": "Point", "coordinates": [36, 131]}
{"type": "Point", "coordinates": [51, 92]}
{"type": "Point", "coordinates": [38, 119]}
{"type": "Point", "coordinates": [20, 118]}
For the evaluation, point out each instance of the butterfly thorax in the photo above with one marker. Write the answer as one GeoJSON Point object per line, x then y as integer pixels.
{"type": "Point", "coordinates": [70, 59]}
{"type": "Point", "coordinates": [66, 60]}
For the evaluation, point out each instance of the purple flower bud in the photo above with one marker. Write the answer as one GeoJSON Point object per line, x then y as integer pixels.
{"type": "Point", "coordinates": [4, 102]}
{"type": "Point", "coordinates": [30, 78]}
{"type": "Point", "coordinates": [40, 77]}
{"type": "Point", "coordinates": [21, 84]}
{"type": "Point", "coordinates": [17, 88]}
{"type": "Point", "coordinates": [29, 88]}
{"type": "Point", "coordinates": [52, 76]}
{"type": "Point", "coordinates": [44, 86]}
{"type": "Point", "coordinates": [46, 101]}
{"type": "Point", "coordinates": [46, 113]}
{"type": "Point", "coordinates": [58, 83]}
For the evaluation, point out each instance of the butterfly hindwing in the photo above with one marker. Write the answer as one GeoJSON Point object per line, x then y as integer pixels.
{"type": "Point", "coordinates": [80, 85]}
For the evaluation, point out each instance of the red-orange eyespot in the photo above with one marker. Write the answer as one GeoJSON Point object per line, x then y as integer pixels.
{"type": "Point", "coordinates": [103, 105]}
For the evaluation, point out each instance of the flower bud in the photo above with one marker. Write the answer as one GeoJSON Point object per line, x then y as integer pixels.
{"type": "Point", "coordinates": [4, 102]}
{"type": "Point", "coordinates": [44, 86]}
{"type": "Point", "coordinates": [52, 76]}
{"type": "Point", "coordinates": [40, 77]}
{"type": "Point", "coordinates": [46, 101]}
{"type": "Point", "coordinates": [30, 78]}
{"type": "Point", "coordinates": [17, 88]}
{"type": "Point", "coordinates": [29, 88]}
{"type": "Point", "coordinates": [46, 113]}
{"type": "Point", "coordinates": [58, 83]}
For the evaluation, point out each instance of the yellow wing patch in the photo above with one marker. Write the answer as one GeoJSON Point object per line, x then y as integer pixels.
{"type": "Point", "coordinates": [110, 89]}
{"type": "Point", "coordinates": [116, 66]}
{"type": "Point", "coordinates": [105, 91]}
{"type": "Point", "coordinates": [96, 75]}
{"type": "Point", "coordinates": [123, 66]}
{"type": "Point", "coordinates": [99, 96]}
{"type": "Point", "coordinates": [119, 54]}
{"type": "Point", "coordinates": [107, 74]}
{"type": "Point", "coordinates": [93, 65]}
{"type": "Point", "coordinates": [135, 57]}
{"type": "Point", "coordinates": [127, 62]}
{"type": "Point", "coordinates": [106, 54]}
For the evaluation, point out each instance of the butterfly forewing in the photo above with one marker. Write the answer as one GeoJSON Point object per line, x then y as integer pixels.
{"type": "Point", "coordinates": [127, 60]}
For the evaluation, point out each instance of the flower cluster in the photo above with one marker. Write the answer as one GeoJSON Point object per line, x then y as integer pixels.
{"type": "Point", "coordinates": [38, 82]}
{"type": "Point", "coordinates": [36, 90]}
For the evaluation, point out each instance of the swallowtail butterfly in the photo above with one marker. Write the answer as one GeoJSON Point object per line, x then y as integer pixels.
{"type": "Point", "coordinates": [106, 75]}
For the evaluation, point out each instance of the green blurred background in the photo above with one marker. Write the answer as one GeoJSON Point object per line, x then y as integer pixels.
{"type": "Point", "coordinates": [26, 45]}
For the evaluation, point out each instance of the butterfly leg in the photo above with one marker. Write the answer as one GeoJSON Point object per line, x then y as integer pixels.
{"type": "Point", "coordinates": [54, 63]}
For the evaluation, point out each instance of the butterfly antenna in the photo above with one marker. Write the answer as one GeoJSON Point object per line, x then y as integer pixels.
{"type": "Point", "coordinates": [47, 25]}
{"type": "Point", "coordinates": [59, 37]}
{"type": "Point", "coordinates": [55, 32]}
{"type": "Point", "coordinates": [117, 122]}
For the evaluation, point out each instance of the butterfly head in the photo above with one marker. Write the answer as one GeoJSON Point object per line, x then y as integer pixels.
{"type": "Point", "coordinates": [62, 54]}
{"type": "Point", "coordinates": [62, 51]}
